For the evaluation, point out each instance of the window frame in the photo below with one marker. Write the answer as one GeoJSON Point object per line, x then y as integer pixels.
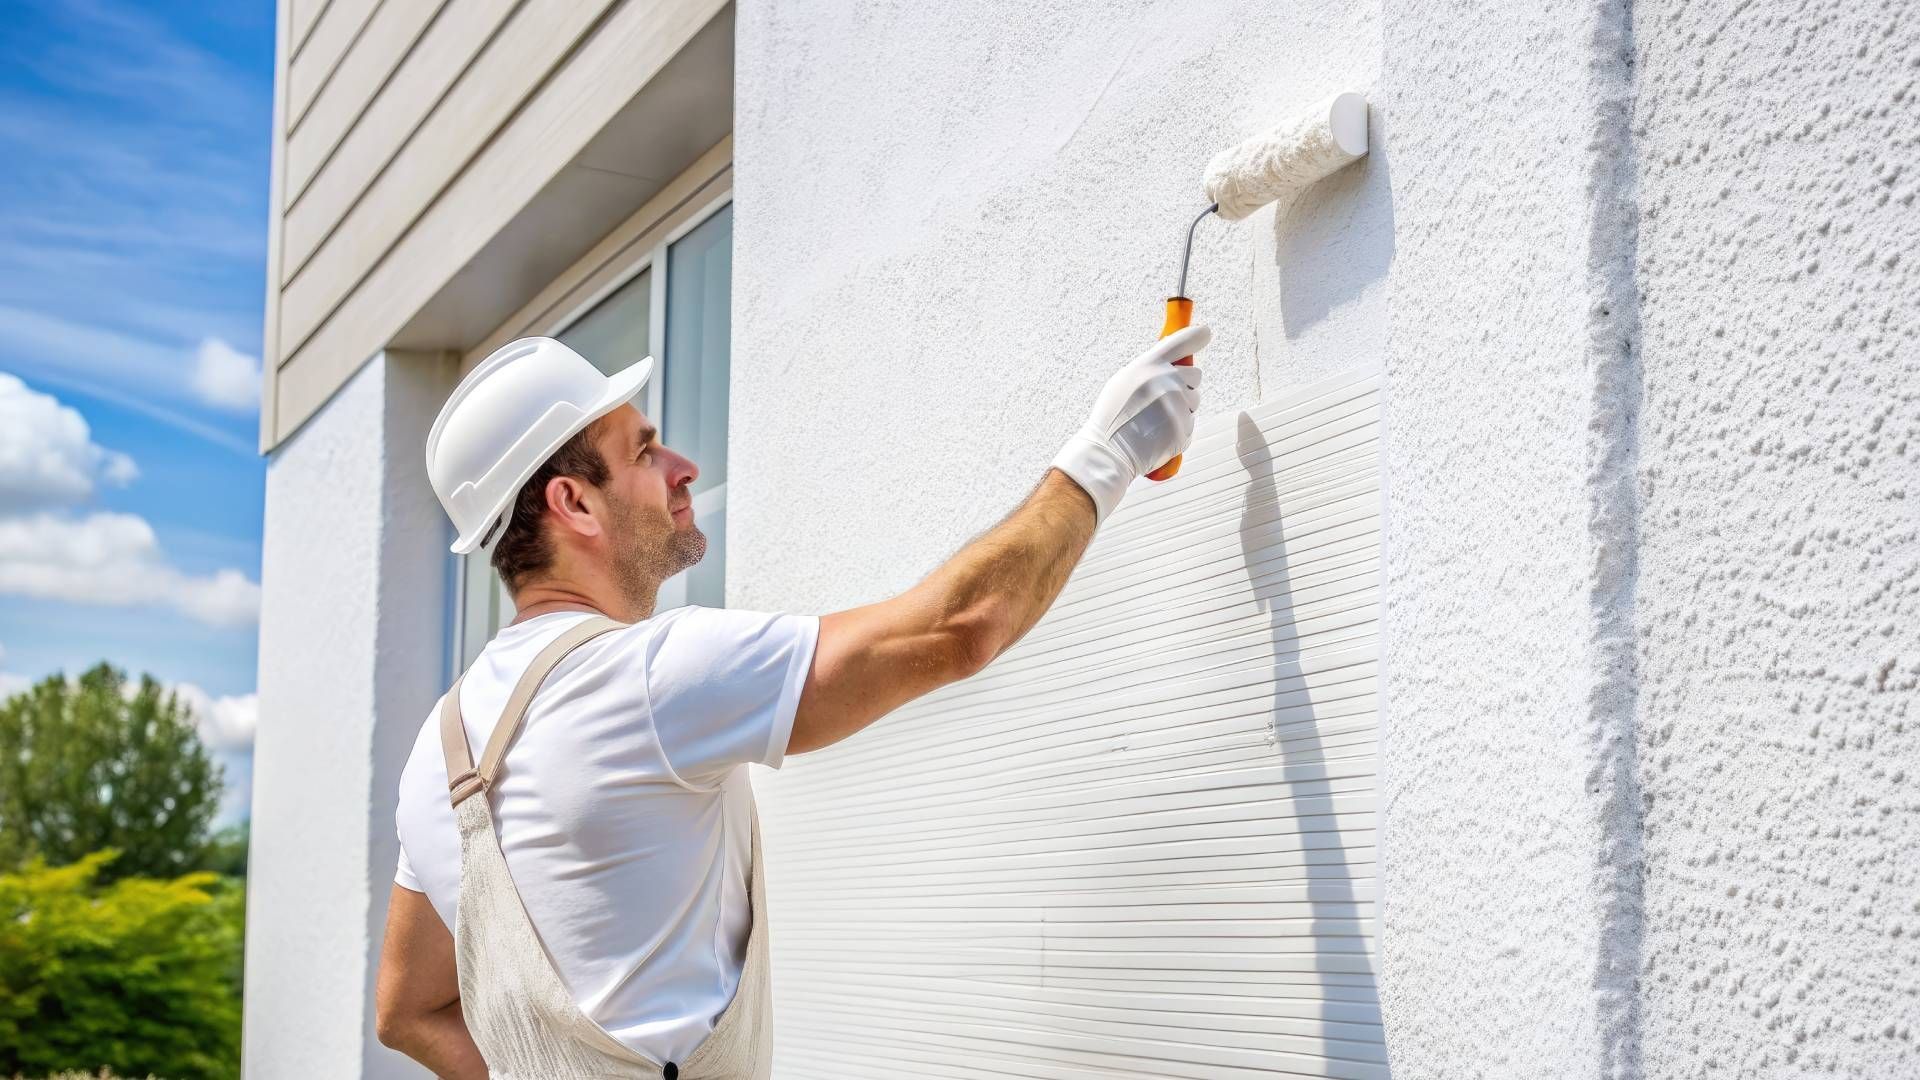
{"type": "Point", "coordinates": [647, 250]}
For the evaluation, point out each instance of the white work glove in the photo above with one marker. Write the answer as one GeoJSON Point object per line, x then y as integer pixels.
{"type": "Point", "coordinates": [1142, 419]}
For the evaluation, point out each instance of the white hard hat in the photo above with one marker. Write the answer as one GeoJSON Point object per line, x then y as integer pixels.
{"type": "Point", "coordinates": [506, 418]}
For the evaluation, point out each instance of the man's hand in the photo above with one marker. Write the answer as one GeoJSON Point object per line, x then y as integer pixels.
{"type": "Point", "coordinates": [1141, 419]}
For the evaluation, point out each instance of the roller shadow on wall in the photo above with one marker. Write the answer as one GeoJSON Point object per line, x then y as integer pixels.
{"type": "Point", "coordinates": [1335, 239]}
{"type": "Point", "coordinates": [1338, 971]}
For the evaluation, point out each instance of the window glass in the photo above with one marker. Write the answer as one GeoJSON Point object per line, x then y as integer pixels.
{"type": "Point", "coordinates": [707, 582]}
{"type": "Point", "coordinates": [699, 340]}
{"type": "Point", "coordinates": [615, 333]}
{"type": "Point", "coordinates": [485, 607]}
{"type": "Point", "coordinates": [698, 363]}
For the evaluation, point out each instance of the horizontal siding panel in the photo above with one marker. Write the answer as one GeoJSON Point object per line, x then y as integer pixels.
{"type": "Point", "coordinates": [340, 325]}
{"type": "Point", "coordinates": [1141, 843]}
{"type": "Point", "coordinates": [335, 180]}
{"type": "Point", "coordinates": [332, 38]}
{"type": "Point", "coordinates": [342, 102]}
{"type": "Point", "coordinates": [339, 229]}
{"type": "Point", "coordinates": [301, 15]}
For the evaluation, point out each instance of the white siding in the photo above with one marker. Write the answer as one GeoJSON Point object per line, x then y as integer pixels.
{"type": "Point", "coordinates": [408, 136]}
{"type": "Point", "coordinates": [1141, 843]}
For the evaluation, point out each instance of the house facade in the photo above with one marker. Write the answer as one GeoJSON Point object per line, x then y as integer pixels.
{"type": "Point", "coordinates": [1517, 681]}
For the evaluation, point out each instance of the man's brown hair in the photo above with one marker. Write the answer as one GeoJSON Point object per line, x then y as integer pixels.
{"type": "Point", "coordinates": [524, 548]}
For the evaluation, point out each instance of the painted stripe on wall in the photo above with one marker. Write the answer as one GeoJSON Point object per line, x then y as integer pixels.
{"type": "Point", "coordinates": [1141, 843]}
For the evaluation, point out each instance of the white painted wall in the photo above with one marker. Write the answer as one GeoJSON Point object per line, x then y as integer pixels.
{"type": "Point", "coordinates": [1650, 566]}
{"type": "Point", "coordinates": [352, 638]}
{"type": "Point", "coordinates": [952, 223]}
{"type": "Point", "coordinates": [1141, 843]}
{"type": "Point", "coordinates": [1505, 711]}
{"type": "Point", "coordinates": [1649, 578]}
{"type": "Point", "coordinates": [1780, 566]}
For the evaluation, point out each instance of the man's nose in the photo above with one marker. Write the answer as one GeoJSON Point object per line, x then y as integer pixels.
{"type": "Point", "coordinates": [684, 471]}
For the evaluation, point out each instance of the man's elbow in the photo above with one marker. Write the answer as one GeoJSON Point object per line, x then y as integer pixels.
{"type": "Point", "coordinates": [978, 640]}
{"type": "Point", "coordinates": [387, 1028]}
{"type": "Point", "coordinates": [396, 1028]}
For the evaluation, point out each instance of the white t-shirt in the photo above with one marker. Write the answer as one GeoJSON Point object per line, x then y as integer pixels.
{"type": "Point", "coordinates": [622, 805]}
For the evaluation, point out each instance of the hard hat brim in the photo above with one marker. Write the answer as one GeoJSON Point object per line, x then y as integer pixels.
{"type": "Point", "coordinates": [622, 387]}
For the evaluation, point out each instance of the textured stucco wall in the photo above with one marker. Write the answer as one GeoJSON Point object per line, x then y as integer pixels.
{"type": "Point", "coordinates": [1779, 587]}
{"type": "Point", "coordinates": [352, 637]}
{"type": "Point", "coordinates": [952, 222]}
{"type": "Point", "coordinates": [1650, 574]}
{"type": "Point", "coordinates": [1502, 821]}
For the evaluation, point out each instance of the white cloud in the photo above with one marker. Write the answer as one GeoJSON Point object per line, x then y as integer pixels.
{"type": "Point", "coordinates": [48, 457]}
{"type": "Point", "coordinates": [225, 377]}
{"type": "Point", "coordinates": [128, 371]}
{"type": "Point", "coordinates": [47, 453]}
{"type": "Point", "coordinates": [115, 559]}
{"type": "Point", "coordinates": [225, 723]}
{"type": "Point", "coordinates": [226, 726]}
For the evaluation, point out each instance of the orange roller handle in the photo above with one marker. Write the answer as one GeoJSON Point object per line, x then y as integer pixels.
{"type": "Point", "coordinates": [1179, 317]}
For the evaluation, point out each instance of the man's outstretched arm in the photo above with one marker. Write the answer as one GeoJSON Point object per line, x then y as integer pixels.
{"type": "Point", "coordinates": [873, 659]}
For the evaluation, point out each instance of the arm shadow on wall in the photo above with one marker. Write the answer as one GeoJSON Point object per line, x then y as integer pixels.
{"type": "Point", "coordinates": [1335, 239]}
{"type": "Point", "coordinates": [1319, 734]}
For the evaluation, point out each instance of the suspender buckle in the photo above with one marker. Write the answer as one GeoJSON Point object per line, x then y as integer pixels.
{"type": "Point", "coordinates": [467, 784]}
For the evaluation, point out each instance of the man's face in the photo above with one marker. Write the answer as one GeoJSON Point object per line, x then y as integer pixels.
{"type": "Point", "coordinates": [653, 535]}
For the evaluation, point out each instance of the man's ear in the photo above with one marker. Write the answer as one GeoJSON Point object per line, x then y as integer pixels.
{"type": "Point", "coordinates": [575, 504]}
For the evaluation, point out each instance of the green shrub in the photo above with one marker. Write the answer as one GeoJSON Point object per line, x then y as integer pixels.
{"type": "Point", "coordinates": [138, 977]}
{"type": "Point", "coordinates": [101, 1075]}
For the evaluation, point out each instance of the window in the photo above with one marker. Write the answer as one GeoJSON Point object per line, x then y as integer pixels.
{"type": "Point", "coordinates": [677, 306]}
{"type": "Point", "coordinates": [693, 419]}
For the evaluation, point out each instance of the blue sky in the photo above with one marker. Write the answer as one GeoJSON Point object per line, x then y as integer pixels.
{"type": "Point", "coordinates": [133, 213]}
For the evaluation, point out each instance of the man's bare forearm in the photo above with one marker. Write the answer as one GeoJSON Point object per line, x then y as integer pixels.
{"type": "Point", "coordinates": [1005, 579]}
{"type": "Point", "coordinates": [440, 1041]}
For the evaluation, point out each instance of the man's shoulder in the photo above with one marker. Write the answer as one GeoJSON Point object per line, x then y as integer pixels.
{"type": "Point", "coordinates": [426, 765]}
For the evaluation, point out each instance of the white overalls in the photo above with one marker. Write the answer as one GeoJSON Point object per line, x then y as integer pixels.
{"type": "Point", "coordinates": [517, 1007]}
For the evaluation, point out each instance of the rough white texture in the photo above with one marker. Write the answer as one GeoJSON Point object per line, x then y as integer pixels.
{"type": "Point", "coordinates": [352, 655]}
{"type": "Point", "coordinates": [1499, 808]}
{"type": "Point", "coordinates": [1779, 167]}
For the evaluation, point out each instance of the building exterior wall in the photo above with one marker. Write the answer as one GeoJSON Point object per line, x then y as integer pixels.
{"type": "Point", "coordinates": [1641, 752]}
{"type": "Point", "coordinates": [352, 636]}
{"type": "Point", "coordinates": [1636, 282]}
{"type": "Point", "coordinates": [1780, 560]}
{"type": "Point", "coordinates": [1498, 804]}
{"type": "Point", "coordinates": [407, 136]}
{"type": "Point", "coordinates": [952, 224]}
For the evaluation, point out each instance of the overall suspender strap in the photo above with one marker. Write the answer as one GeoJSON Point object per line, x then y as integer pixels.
{"type": "Point", "coordinates": [463, 777]}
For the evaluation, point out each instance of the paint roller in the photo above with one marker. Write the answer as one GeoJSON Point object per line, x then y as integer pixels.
{"type": "Point", "coordinates": [1272, 167]}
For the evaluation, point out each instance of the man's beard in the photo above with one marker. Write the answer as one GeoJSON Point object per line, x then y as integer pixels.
{"type": "Point", "coordinates": [648, 549]}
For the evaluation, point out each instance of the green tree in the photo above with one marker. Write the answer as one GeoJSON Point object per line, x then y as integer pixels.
{"type": "Point", "coordinates": [93, 764]}
{"type": "Point", "coordinates": [227, 851]}
{"type": "Point", "coordinates": [138, 977]}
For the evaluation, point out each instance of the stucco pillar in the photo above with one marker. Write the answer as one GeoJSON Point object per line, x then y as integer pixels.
{"type": "Point", "coordinates": [1510, 836]}
{"type": "Point", "coordinates": [352, 656]}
